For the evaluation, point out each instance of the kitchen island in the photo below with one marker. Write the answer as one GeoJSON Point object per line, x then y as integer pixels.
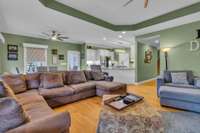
{"type": "Point", "coordinates": [124, 75]}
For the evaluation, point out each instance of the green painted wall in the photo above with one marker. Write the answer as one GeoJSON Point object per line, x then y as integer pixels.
{"type": "Point", "coordinates": [9, 66]}
{"type": "Point", "coordinates": [146, 71]}
{"type": "Point", "coordinates": [180, 56]}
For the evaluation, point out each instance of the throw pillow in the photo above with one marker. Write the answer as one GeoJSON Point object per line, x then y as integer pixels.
{"type": "Point", "coordinates": [88, 75]}
{"type": "Point", "coordinates": [33, 80]}
{"type": "Point", "coordinates": [75, 77]}
{"type": "Point", "coordinates": [2, 90]}
{"type": "Point", "coordinates": [98, 76]}
{"type": "Point", "coordinates": [11, 114]}
{"type": "Point", "coordinates": [16, 82]}
{"type": "Point", "coordinates": [179, 78]}
{"type": "Point", "coordinates": [52, 80]}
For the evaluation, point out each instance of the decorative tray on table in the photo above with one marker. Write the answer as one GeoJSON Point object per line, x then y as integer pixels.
{"type": "Point", "coordinates": [123, 101]}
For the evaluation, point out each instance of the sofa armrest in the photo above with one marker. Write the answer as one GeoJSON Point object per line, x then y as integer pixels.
{"type": "Point", "coordinates": [56, 123]}
{"type": "Point", "coordinates": [160, 82]}
{"type": "Point", "coordinates": [197, 82]}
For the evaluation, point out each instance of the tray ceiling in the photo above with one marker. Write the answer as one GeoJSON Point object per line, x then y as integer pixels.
{"type": "Point", "coordinates": [113, 11]}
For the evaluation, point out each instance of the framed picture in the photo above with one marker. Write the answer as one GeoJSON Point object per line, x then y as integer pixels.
{"type": "Point", "coordinates": [12, 56]}
{"type": "Point", "coordinates": [61, 57]}
{"type": "Point", "coordinates": [54, 51]}
{"type": "Point", "coordinates": [12, 48]}
{"type": "Point", "coordinates": [148, 56]}
{"type": "Point", "coordinates": [54, 59]}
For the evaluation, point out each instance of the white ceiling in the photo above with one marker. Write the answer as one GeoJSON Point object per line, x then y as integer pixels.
{"type": "Point", "coordinates": [152, 41]}
{"type": "Point", "coordinates": [114, 12]}
{"type": "Point", "coordinates": [31, 18]}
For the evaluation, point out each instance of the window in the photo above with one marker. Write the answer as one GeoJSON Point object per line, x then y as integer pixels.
{"type": "Point", "coordinates": [73, 60]}
{"type": "Point", "coordinates": [34, 56]}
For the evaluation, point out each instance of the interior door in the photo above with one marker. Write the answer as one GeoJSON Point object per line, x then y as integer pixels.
{"type": "Point", "coordinates": [73, 60]}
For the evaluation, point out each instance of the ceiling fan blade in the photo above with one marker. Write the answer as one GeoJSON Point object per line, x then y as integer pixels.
{"type": "Point", "coordinates": [45, 34]}
{"type": "Point", "coordinates": [59, 39]}
{"type": "Point", "coordinates": [64, 37]}
{"type": "Point", "coordinates": [127, 3]}
{"type": "Point", "coordinates": [146, 3]}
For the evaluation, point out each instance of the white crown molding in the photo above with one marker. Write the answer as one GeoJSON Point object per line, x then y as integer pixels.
{"type": "Point", "coordinates": [35, 45]}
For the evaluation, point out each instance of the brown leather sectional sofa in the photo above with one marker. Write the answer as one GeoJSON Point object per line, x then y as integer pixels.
{"type": "Point", "coordinates": [38, 92]}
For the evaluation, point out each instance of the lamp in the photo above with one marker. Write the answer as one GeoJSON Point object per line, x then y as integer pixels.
{"type": "Point", "coordinates": [166, 50]}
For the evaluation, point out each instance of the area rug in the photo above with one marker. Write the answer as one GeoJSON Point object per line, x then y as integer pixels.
{"type": "Point", "coordinates": [181, 122]}
{"type": "Point", "coordinates": [173, 122]}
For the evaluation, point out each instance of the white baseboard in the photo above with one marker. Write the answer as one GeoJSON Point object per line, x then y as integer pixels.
{"type": "Point", "coordinates": [145, 81]}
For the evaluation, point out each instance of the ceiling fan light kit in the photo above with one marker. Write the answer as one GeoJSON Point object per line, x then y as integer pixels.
{"type": "Point", "coordinates": [55, 36]}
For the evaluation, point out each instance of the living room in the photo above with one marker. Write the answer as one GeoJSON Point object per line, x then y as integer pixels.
{"type": "Point", "coordinates": [99, 66]}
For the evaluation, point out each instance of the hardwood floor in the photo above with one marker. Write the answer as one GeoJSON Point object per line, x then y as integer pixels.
{"type": "Point", "coordinates": [85, 113]}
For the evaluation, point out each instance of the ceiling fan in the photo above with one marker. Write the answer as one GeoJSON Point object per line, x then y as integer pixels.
{"type": "Point", "coordinates": [55, 35]}
{"type": "Point", "coordinates": [130, 1]}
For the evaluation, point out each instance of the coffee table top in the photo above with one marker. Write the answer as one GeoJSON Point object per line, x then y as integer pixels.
{"type": "Point", "coordinates": [141, 108]}
{"type": "Point", "coordinates": [139, 118]}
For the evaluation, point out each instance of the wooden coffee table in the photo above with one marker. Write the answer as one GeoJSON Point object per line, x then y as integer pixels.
{"type": "Point", "coordinates": [138, 118]}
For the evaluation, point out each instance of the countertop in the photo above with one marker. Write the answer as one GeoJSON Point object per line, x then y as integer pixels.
{"type": "Point", "coordinates": [115, 68]}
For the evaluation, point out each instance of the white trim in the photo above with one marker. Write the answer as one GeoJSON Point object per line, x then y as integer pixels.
{"type": "Point", "coordinates": [25, 56]}
{"type": "Point", "coordinates": [25, 45]}
{"type": "Point", "coordinates": [145, 81]}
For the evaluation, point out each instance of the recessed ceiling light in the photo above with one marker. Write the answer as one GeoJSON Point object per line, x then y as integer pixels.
{"type": "Point", "coordinates": [104, 39]}
{"type": "Point", "coordinates": [157, 41]}
{"type": "Point", "coordinates": [120, 36]}
{"type": "Point", "coordinates": [123, 32]}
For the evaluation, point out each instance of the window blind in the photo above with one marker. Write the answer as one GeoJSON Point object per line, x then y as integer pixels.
{"type": "Point", "coordinates": [35, 55]}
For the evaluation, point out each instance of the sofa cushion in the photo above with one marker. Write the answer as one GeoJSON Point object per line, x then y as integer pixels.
{"type": "Point", "coordinates": [83, 87]}
{"type": "Point", "coordinates": [179, 78]}
{"type": "Point", "coordinates": [15, 82]}
{"type": "Point", "coordinates": [56, 92]}
{"type": "Point", "coordinates": [75, 77]}
{"type": "Point", "coordinates": [11, 114]}
{"type": "Point", "coordinates": [88, 75]}
{"type": "Point", "coordinates": [52, 80]}
{"type": "Point", "coordinates": [34, 104]}
{"type": "Point", "coordinates": [29, 96]}
{"type": "Point", "coordinates": [2, 90]}
{"type": "Point", "coordinates": [97, 76]}
{"type": "Point", "coordinates": [180, 85]}
{"type": "Point", "coordinates": [182, 94]}
{"type": "Point", "coordinates": [65, 77]}
{"type": "Point", "coordinates": [109, 86]}
{"type": "Point", "coordinates": [37, 110]}
{"type": "Point", "coordinates": [168, 78]}
{"type": "Point", "coordinates": [33, 80]}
